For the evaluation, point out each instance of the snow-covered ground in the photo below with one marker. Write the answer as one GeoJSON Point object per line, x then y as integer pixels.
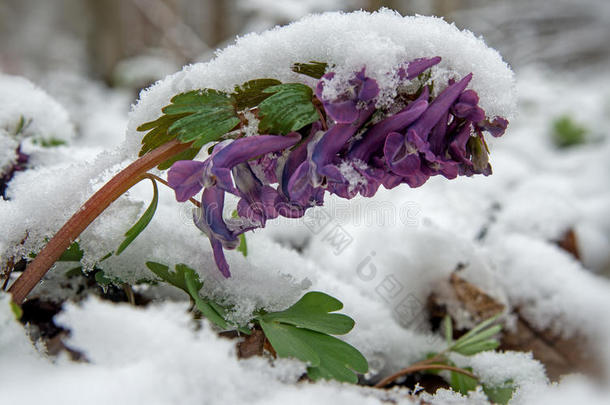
{"type": "Point", "coordinates": [395, 250]}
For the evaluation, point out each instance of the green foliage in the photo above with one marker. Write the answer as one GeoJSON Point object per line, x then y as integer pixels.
{"type": "Point", "coordinates": [477, 340]}
{"type": "Point", "coordinates": [73, 254]}
{"type": "Point", "coordinates": [204, 116]}
{"type": "Point", "coordinates": [302, 331]}
{"type": "Point", "coordinates": [312, 69]}
{"type": "Point", "coordinates": [501, 394]}
{"type": "Point", "coordinates": [462, 383]}
{"type": "Point", "coordinates": [243, 245]}
{"type": "Point", "coordinates": [187, 279]}
{"type": "Point", "coordinates": [49, 142]}
{"type": "Point", "coordinates": [251, 94]}
{"type": "Point", "coordinates": [566, 132]}
{"type": "Point", "coordinates": [312, 311]}
{"type": "Point", "coordinates": [188, 154]}
{"type": "Point", "coordinates": [17, 311]}
{"type": "Point", "coordinates": [143, 222]}
{"type": "Point", "coordinates": [290, 108]}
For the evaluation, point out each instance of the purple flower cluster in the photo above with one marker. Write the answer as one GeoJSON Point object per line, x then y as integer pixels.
{"type": "Point", "coordinates": [357, 149]}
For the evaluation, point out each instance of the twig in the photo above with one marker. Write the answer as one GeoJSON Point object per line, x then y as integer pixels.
{"type": "Point", "coordinates": [418, 367]}
{"type": "Point", "coordinates": [112, 190]}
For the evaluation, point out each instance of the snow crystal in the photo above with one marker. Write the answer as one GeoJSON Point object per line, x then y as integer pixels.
{"type": "Point", "coordinates": [380, 41]}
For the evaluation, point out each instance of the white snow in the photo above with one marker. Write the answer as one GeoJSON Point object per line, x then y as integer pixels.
{"type": "Point", "coordinates": [381, 257]}
{"type": "Point", "coordinates": [42, 115]}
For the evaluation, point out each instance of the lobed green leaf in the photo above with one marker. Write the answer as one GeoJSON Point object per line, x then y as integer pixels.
{"type": "Point", "coordinates": [290, 108]}
{"type": "Point", "coordinates": [312, 69]}
{"type": "Point", "coordinates": [251, 94]}
{"type": "Point", "coordinates": [312, 312]}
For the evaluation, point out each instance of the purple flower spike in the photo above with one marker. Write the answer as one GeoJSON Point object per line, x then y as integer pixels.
{"type": "Point", "coordinates": [285, 175]}
{"type": "Point", "coordinates": [418, 66]}
{"type": "Point", "coordinates": [439, 107]}
{"type": "Point", "coordinates": [375, 136]}
{"type": "Point", "coordinates": [186, 178]}
{"type": "Point", "coordinates": [244, 149]}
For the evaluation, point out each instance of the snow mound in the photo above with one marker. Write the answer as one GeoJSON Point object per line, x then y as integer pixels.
{"type": "Point", "coordinates": [379, 41]}
{"type": "Point", "coordinates": [31, 112]}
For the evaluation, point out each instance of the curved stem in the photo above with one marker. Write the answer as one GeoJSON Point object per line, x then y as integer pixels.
{"type": "Point", "coordinates": [94, 206]}
{"type": "Point", "coordinates": [418, 367]}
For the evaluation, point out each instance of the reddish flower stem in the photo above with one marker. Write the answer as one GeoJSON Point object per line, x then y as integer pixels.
{"type": "Point", "coordinates": [86, 214]}
{"type": "Point", "coordinates": [419, 367]}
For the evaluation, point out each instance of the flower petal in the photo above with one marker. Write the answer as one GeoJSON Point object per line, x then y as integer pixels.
{"type": "Point", "coordinates": [186, 178]}
{"type": "Point", "coordinates": [439, 107]}
{"type": "Point", "coordinates": [418, 66]}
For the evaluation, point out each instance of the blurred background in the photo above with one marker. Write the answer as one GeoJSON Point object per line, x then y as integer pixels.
{"type": "Point", "coordinates": [131, 43]}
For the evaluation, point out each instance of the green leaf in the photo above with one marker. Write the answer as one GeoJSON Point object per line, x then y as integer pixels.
{"type": "Point", "coordinates": [566, 132]}
{"type": "Point", "coordinates": [448, 329]}
{"type": "Point", "coordinates": [477, 338]}
{"type": "Point", "coordinates": [193, 286]}
{"type": "Point", "coordinates": [103, 280]}
{"type": "Point", "coordinates": [462, 383]}
{"type": "Point", "coordinates": [474, 331]}
{"type": "Point", "coordinates": [175, 278]}
{"type": "Point", "coordinates": [49, 142]}
{"type": "Point", "coordinates": [243, 245]}
{"type": "Point", "coordinates": [288, 341]}
{"type": "Point", "coordinates": [188, 281]}
{"type": "Point", "coordinates": [188, 154]}
{"type": "Point", "coordinates": [327, 357]}
{"type": "Point", "coordinates": [72, 254]}
{"type": "Point", "coordinates": [74, 272]}
{"type": "Point", "coordinates": [17, 311]}
{"type": "Point", "coordinates": [290, 108]}
{"type": "Point", "coordinates": [312, 312]}
{"type": "Point", "coordinates": [251, 94]}
{"type": "Point", "coordinates": [211, 115]}
{"type": "Point", "coordinates": [500, 395]}
{"type": "Point", "coordinates": [312, 69]}
{"type": "Point", "coordinates": [302, 331]}
{"type": "Point", "coordinates": [158, 132]}
{"type": "Point", "coordinates": [478, 347]}
{"type": "Point", "coordinates": [143, 222]}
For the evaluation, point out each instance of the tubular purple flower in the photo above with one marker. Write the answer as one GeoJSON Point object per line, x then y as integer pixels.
{"type": "Point", "coordinates": [417, 67]}
{"type": "Point", "coordinates": [347, 108]}
{"type": "Point", "coordinates": [439, 107]}
{"type": "Point", "coordinates": [257, 202]}
{"type": "Point", "coordinates": [244, 149]}
{"type": "Point", "coordinates": [209, 219]}
{"type": "Point", "coordinates": [374, 138]}
{"type": "Point", "coordinates": [186, 178]}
